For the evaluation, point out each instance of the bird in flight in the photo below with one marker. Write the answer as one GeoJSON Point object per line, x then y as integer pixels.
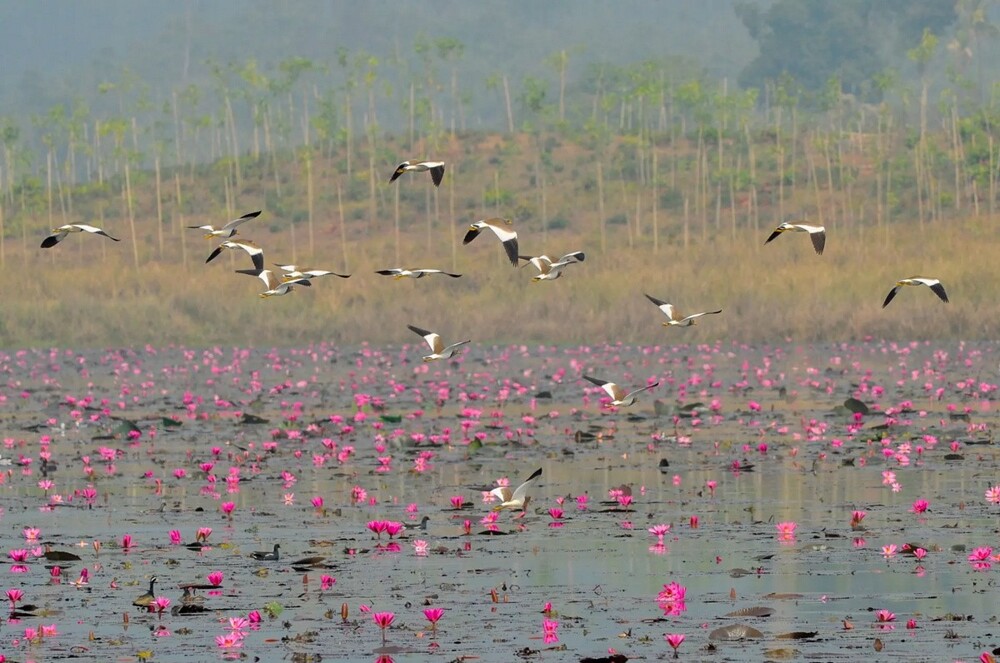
{"type": "Point", "coordinates": [437, 346]}
{"type": "Point", "coordinates": [399, 272]}
{"type": "Point", "coordinates": [519, 498]}
{"type": "Point", "coordinates": [617, 394]}
{"type": "Point", "coordinates": [816, 233]}
{"type": "Point", "coordinates": [255, 252]}
{"type": "Point", "coordinates": [59, 234]}
{"type": "Point", "coordinates": [676, 318]}
{"type": "Point", "coordinates": [228, 230]}
{"type": "Point", "coordinates": [933, 284]}
{"type": "Point", "coordinates": [436, 168]}
{"type": "Point", "coordinates": [500, 227]}
{"type": "Point", "coordinates": [295, 272]}
{"type": "Point", "coordinates": [548, 269]}
{"type": "Point", "coordinates": [275, 286]}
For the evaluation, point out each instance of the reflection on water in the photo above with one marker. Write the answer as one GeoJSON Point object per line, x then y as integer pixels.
{"type": "Point", "coordinates": [314, 475]}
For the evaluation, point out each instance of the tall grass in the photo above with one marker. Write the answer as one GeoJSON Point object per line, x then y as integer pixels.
{"type": "Point", "coordinates": [773, 293]}
{"type": "Point", "coordinates": [87, 293]}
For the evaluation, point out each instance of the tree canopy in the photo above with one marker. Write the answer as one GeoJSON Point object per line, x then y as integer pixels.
{"type": "Point", "coordinates": [814, 41]}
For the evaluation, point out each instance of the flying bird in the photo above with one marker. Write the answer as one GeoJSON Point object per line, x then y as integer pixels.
{"type": "Point", "coordinates": [674, 317]}
{"type": "Point", "coordinates": [228, 230]}
{"type": "Point", "coordinates": [295, 272]}
{"type": "Point", "coordinates": [275, 286]}
{"type": "Point", "coordinates": [438, 348]}
{"type": "Point", "coordinates": [816, 233]}
{"type": "Point", "coordinates": [436, 168]}
{"type": "Point", "coordinates": [398, 273]}
{"type": "Point", "coordinates": [548, 269]}
{"type": "Point", "coordinates": [501, 227]}
{"type": "Point", "coordinates": [255, 252]}
{"type": "Point", "coordinates": [519, 498]}
{"type": "Point", "coordinates": [933, 284]}
{"type": "Point", "coordinates": [617, 394]}
{"type": "Point", "coordinates": [59, 234]}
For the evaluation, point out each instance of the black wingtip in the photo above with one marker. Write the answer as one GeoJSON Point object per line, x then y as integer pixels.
{"type": "Point", "coordinates": [251, 215]}
{"type": "Point", "coordinates": [471, 235]}
{"type": "Point", "coordinates": [654, 300]}
{"type": "Point", "coordinates": [773, 235]}
{"type": "Point", "coordinates": [534, 475]}
{"type": "Point", "coordinates": [437, 174]}
{"type": "Point", "coordinates": [510, 246]}
{"type": "Point", "coordinates": [49, 242]}
{"type": "Point", "coordinates": [213, 254]}
{"type": "Point", "coordinates": [418, 330]}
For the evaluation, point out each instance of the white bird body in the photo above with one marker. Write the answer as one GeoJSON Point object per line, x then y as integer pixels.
{"type": "Point", "coordinates": [438, 349]}
{"type": "Point", "coordinates": [275, 286]}
{"type": "Point", "coordinates": [413, 166]}
{"type": "Point", "coordinates": [519, 498]}
{"type": "Point", "coordinates": [295, 272]}
{"type": "Point", "coordinates": [816, 233]}
{"type": "Point", "coordinates": [59, 234]}
{"type": "Point", "coordinates": [502, 229]}
{"type": "Point", "coordinates": [617, 394]}
{"type": "Point", "coordinates": [228, 230]}
{"type": "Point", "coordinates": [400, 272]}
{"type": "Point", "coordinates": [933, 284]}
{"type": "Point", "coordinates": [549, 269]}
{"type": "Point", "coordinates": [674, 317]}
{"type": "Point", "coordinates": [255, 252]}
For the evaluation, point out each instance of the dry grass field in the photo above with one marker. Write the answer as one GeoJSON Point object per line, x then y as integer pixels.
{"type": "Point", "coordinates": [153, 286]}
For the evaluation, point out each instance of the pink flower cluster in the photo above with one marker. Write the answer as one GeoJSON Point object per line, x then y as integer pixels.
{"type": "Point", "coordinates": [672, 599]}
{"type": "Point", "coordinates": [392, 528]}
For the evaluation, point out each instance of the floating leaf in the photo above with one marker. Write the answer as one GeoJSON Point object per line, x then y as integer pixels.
{"type": "Point", "coordinates": [782, 654]}
{"type": "Point", "coordinates": [391, 418]}
{"type": "Point", "coordinates": [797, 635]}
{"type": "Point", "coordinates": [856, 406]}
{"type": "Point", "coordinates": [252, 419]}
{"type": "Point", "coordinates": [755, 611]}
{"type": "Point", "coordinates": [167, 422]}
{"type": "Point", "coordinates": [735, 632]}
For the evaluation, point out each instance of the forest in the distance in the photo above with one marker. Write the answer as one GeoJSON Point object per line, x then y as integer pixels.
{"type": "Point", "coordinates": [662, 138]}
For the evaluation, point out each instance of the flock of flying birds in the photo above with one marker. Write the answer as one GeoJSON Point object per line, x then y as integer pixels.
{"type": "Point", "coordinates": [548, 269]}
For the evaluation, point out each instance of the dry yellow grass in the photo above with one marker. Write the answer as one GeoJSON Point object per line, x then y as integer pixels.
{"type": "Point", "coordinates": [87, 293]}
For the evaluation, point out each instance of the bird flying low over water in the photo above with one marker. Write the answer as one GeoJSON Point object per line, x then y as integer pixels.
{"type": "Point", "coordinates": [228, 230]}
{"type": "Point", "coordinates": [275, 286]}
{"type": "Point", "coordinates": [294, 272]}
{"type": "Point", "coordinates": [816, 233]}
{"type": "Point", "coordinates": [436, 168]}
{"type": "Point", "coordinates": [548, 269]}
{"type": "Point", "coordinates": [255, 252]}
{"type": "Point", "coordinates": [59, 234]}
{"type": "Point", "coordinates": [933, 284]}
{"type": "Point", "coordinates": [617, 394]}
{"type": "Point", "coordinates": [399, 272]}
{"type": "Point", "coordinates": [502, 229]}
{"type": "Point", "coordinates": [674, 317]}
{"type": "Point", "coordinates": [438, 348]}
{"type": "Point", "coordinates": [519, 498]}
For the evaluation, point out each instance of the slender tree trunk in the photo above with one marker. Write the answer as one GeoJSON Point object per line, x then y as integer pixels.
{"type": "Point", "coordinates": [131, 213]}
{"type": "Point", "coordinates": [506, 98]}
{"type": "Point", "coordinates": [343, 227]}
{"type": "Point", "coordinates": [234, 143]}
{"type": "Point", "coordinates": [395, 215]}
{"type": "Point", "coordinates": [656, 202]}
{"type": "Point", "coordinates": [310, 203]}
{"type": "Point", "coordinates": [159, 204]}
{"type": "Point", "coordinates": [600, 210]}
{"type": "Point", "coordinates": [181, 236]}
{"type": "Point", "coordinates": [454, 219]}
